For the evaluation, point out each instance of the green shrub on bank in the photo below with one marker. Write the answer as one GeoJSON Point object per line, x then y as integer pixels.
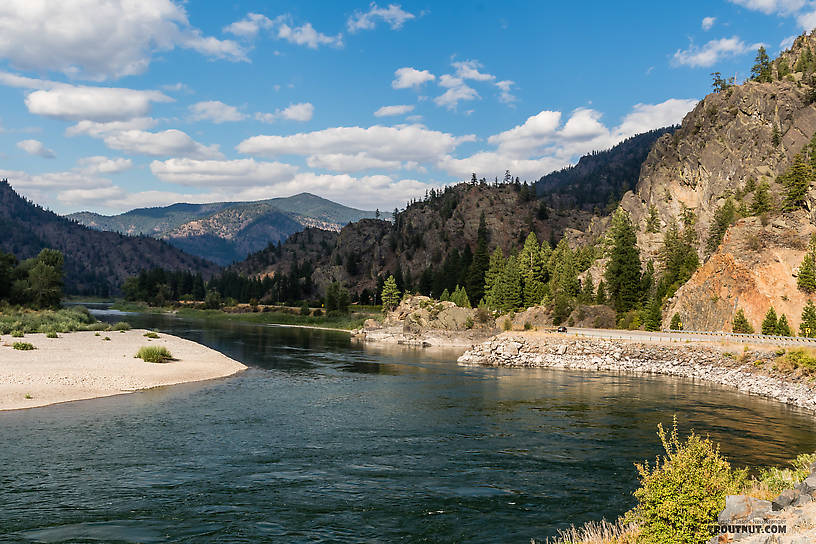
{"type": "Point", "coordinates": [681, 496]}
{"type": "Point", "coordinates": [51, 334]}
{"type": "Point", "coordinates": [150, 334]}
{"type": "Point", "coordinates": [121, 326]}
{"type": "Point", "coordinates": [23, 346]}
{"type": "Point", "coordinates": [154, 354]}
{"type": "Point", "coordinates": [75, 318]}
{"type": "Point", "coordinates": [797, 359]}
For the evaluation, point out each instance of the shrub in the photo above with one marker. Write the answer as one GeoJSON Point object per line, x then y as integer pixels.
{"type": "Point", "coordinates": [23, 346]}
{"type": "Point", "coordinates": [304, 310]}
{"type": "Point", "coordinates": [17, 334]}
{"type": "Point", "coordinates": [106, 339]}
{"type": "Point", "coordinates": [469, 323]}
{"type": "Point", "coordinates": [154, 354]}
{"type": "Point", "coordinates": [528, 326]}
{"type": "Point", "coordinates": [318, 312]}
{"type": "Point", "coordinates": [507, 324]}
{"type": "Point", "coordinates": [51, 334]}
{"type": "Point", "coordinates": [122, 326]}
{"type": "Point", "coordinates": [150, 334]}
{"type": "Point", "coordinates": [685, 491]}
{"type": "Point", "coordinates": [799, 358]}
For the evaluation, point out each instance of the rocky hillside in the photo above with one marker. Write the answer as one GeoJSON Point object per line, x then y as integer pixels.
{"type": "Point", "coordinates": [426, 236]}
{"type": "Point", "coordinates": [96, 263]}
{"type": "Point", "coordinates": [735, 141]}
{"type": "Point", "coordinates": [228, 231]}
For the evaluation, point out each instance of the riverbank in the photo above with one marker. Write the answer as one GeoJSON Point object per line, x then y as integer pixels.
{"type": "Point", "coordinates": [86, 365]}
{"type": "Point", "coordinates": [756, 371]}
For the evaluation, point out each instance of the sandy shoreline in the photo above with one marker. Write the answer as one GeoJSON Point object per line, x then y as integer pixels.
{"type": "Point", "coordinates": [80, 365]}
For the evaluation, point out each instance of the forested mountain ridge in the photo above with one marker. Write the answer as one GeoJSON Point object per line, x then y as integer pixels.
{"type": "Point", "coordinates": [228, 231]}
{"type": "Point", "coordinates": [96, 263]}
{"type": "Point", "coordinates": [599, 180]}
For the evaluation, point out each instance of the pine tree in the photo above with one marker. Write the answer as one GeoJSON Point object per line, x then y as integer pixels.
{"type": "Point", "coordinates": [654, 316]}
{"type": "Point", "coordinates": [761, 70]}
{"type": "Point", "coordinates": [676, 324]}
{"type": "Point", "coordinates": [806, 281]}
{"type": "Point", "coordinates": [600, 294]}
{"type": "Point", "coordinates": [808, 326]}
{"type": "Point", "coordinates": [460, 298]}
{"type": "Point", "coordinates": [762, 200]}
{"type": "Point", "coordinates": [782, 326]}
{"type": "Point", "coordinates": [510, 286]}
{"type": "Point", "coordinates": [797, 182]}
{"type": "Point", "coordinates": [770, 322]}
{"type": "Point", "coordinates": [479, 264]}
{"type": "Point", "coordinates": [588, 290]}
{"type": "Point", "coordinates": [724, 217]}
{"type": "Point", "coordinates": [494, 273]}
{"type": "Point", "coordinates": [445, 296]}
{"type": "Point", "coordinates": [563, 271]}
{"type": "Point", "coordinates": [653, 221]}
{"type": "Point", "coordinates": [532, 271]}
{"type": "Point", "coordinates": [623, 268]}
{"type": "Point", "coordinates": [741, 324]}
{"type": "Point", "coordinates": [776, 136]}
{"type": "Point", "coordinates": [390, 294]}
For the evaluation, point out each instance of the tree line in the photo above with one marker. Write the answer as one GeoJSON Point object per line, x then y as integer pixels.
{"type": "Point", "coordinates": [36, 282]}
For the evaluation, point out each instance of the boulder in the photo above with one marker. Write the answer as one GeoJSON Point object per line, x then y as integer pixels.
{"type": "Point", "coordinates": [784, 499]}
{"type": "Point", "coordinates": [743, 508]}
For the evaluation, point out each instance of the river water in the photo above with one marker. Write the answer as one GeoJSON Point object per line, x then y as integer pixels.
{"type": "Point", "coordinates": [324, 440]}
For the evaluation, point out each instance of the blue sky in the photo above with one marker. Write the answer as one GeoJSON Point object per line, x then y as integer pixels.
{"type": "Point", "coordinates": [116, 104]}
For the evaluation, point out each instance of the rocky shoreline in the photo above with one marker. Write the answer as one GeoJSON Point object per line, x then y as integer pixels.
{"type": "Point", "coordinates": [747, 371]}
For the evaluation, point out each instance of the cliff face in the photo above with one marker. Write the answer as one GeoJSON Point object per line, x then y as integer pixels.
{"type": "Point", "coordinates": [742, 136]}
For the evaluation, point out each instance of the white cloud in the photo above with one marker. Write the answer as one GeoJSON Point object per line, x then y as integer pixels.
{"type": "Point", "coordinates": [400, 109]}
{"type": "Point", "coordinates": [52, 180]}
{"type": "Point", "coordinates": [160, 144]}
{"type": "Point", "coordinates": [401, 143]}
{"type": "Point", "coordinates": [393, 15]}
{"type": "Point", "coordinates": [303, 111]}
{"type": "Point", "coordinates": [711, 52]}
{"type": "Point", "coordinates": [645, 117]}
{"type": "Point", "coordinates": [99, 104]}
{"type": "Point", "coordinates": [342, 162]}
{"type": "Point", "coordinates": [215, 111]}
{"type": "Point", "coordinates": [36, 147]}
{"type": "Point", "coordinates": [99, 40]}
{"type": "Point", "coordinates": [536, 130]}
{"type": "Point", "coordinates": [200, 173]}
{"type": "Point", "coordinates": [782, 7]}
{"type": "Point", "coordinates": [469, 69]}
{"type": "Point", "coordinates": [505, 94]}
{"type": "Point", "coordinates": [457, 91]}
{"type": "Point", "coordinates": [98, 130]}
{"type": "Point", "coordinates": [787, 42]}
{"type": "Point", "coordinates": [103, 165]}
{"type": "Point", "coordinates": [282, 27]}
{"type": "Point", "coordinates": [708, 22]}
{"type": "Point", "coordinates": [408, 77]}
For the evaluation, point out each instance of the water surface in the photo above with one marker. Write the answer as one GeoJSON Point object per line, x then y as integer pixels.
{"type": "Point", "coordinates": [322, 440]}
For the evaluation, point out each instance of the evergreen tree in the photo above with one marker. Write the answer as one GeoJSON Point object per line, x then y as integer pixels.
{"type": "Point", "coordinates": [782, 326]}
{"type": "Point", "coordinates": [678, 257]}
{"type": "Point", "coordinates": [654, 316]}
{"type": "Point", "coordinates": [770, 322]}
{"type": "Point", "coordinates": [647, 282]}
{"type": "Point", "coordinates": [776, 136]}
{"type": "Point", "coordinates": [587, 290]}
{"type": "Point", "coordinates": [390, 294]}
{"type": "Point", "coordinates": [762, 200]}
{"type": "Point", "coordinates": [623, 267]}
{"type": "Point", "coordinates": [600, 294]}
{"type": "Point", "coordinates": [741, 324]}
{"type": "Point", "coordinates": [797, 182]}
{"type": "Point", "coordinates": [653, 221]}
{"type": "Point", "coordinates": [495, 270]}
{"type": "Point", "coordinates": [563, 271]}
{"type": "Point", "coordinates": [724, 217]}
{"type": "Point", "coordinates": [532, 271]}
{"type": "Point", "coordinates": [808, 326]}
{"type": "Point", "coordinates": [460, 297]}
{"type": "Point", "coordinates": [45, 279]}
{"type": "Point", "coordinates": [445, 297]}
{"type": "Point", "coordinates": [510, 289]}
{"type": "Point", "coordinates": [480, 263]}
{"type": "Point", "coordinates": [761, 70]}
{"type": "Point", "coordinates": [806, 281]}
{"type": "Point", "coordinates": [676, 323]}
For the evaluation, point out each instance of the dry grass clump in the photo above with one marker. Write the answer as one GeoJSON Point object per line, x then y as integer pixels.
{"type": "Point", "coordinates": [594, 532]}
{"type": "Point", "coordinates": [154, 354]}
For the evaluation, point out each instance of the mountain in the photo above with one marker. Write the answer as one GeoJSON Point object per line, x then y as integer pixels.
{"type": "Point", "coordinates": [737, 142]}
{"type": "Point", "coordinates": [599, 179]}
{"type": "Point", "coordinates": [228, 231]}
{"type": "Point", "coordinates": [96, 263]}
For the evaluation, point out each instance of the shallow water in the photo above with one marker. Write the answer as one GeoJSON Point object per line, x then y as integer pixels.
{"type": "Point", "coordinates": [323, 440]}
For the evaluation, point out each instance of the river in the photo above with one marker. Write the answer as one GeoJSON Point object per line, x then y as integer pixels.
{"type": "Point", "coordinates": [325, 440]}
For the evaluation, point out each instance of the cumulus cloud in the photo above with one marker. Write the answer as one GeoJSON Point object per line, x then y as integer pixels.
{"type": "Point", "coordinates": [103, 165]}
{"type": "Point", "coordinates": [92, 40]}
{"type": "Point", "coordinates": [303, 111]}
{"type": "Point", "coordinates": [101, 104]}
{"type": "Point", "coordinates": [342, 162]}
{"type": "Point", "coordinates": [712, 52]}
{"type": "Point", "coordinates": [166, 143]}
{"type": "Point", "coordinates": [201, 173]}
{"type": "Point", "coordinates": [282, 27]}
{"type": "Point", "coordinates": [393, 15]}
{"type": "Point", "coordinates": [215, 111]}
{"type": "Point", "coordinates": [469, 69]}
{"type": "Point", "coordinates": [407, 77]}
{"type": "Point", "coordinates": [457, 91]}
{"type": "Point", "coordinates": [708, 22]}
{"type": "Point", "coordinates": [768, 7]}
{"type": "Point", "coordinates": [98, 130]}
{"type": "Point", "coordinates": [36, 147]}
{"type": "Point", "coordinates": [505, 94]}
{"type": "Point", "coordinates": [401, 143]}
{"type": "Point", "coordinates": [400, 109]}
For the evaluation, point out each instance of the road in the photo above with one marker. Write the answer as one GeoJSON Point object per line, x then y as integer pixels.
{"type": "Point", "coordinates": [690, 336]}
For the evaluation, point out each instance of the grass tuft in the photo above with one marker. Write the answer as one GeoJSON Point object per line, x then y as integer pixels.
{"type": "Point", "coordinates": [23, 346]}
{"type": "Point", "coordinates": [122, 326]}
{"type": "Point", "coordinates": [150, 334]}
{"type": "Point", "coordinates": [51, 334]}
{"type": "Point", "coordinates": [154, 354]}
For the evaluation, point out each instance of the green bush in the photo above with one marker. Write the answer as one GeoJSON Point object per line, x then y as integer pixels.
{"type": "Point", "coordinates": [17, 334]}
{"type": "Point", "coordinates": [305, 310]}
{"type": "Point", "coordinates": [150, 334]}
{"type": "Point", "coordinates": [154, 354]}
{"type": "Point", "coordinates": [23, 346]}
{"type": "Point", "coordinates": [507, 324]}
{"type": "Point", "coordinates": [469, 323]}
{"type": "Point", "coordinates": [51, 334]}
{"type": "Point", "coordinates": [106, 339]}
{"type": "Point", "coordinates": [71, 319]}
{"type": "Point", "coordinates": [681, 496]}
{"type": "Point", "coordinates": [122, 326]}
{"type": "Point", "coordinates": [776, 480]}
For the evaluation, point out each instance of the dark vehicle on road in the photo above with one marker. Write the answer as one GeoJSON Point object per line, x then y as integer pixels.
{"type": "Point", "coordinates": [561, 329]}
